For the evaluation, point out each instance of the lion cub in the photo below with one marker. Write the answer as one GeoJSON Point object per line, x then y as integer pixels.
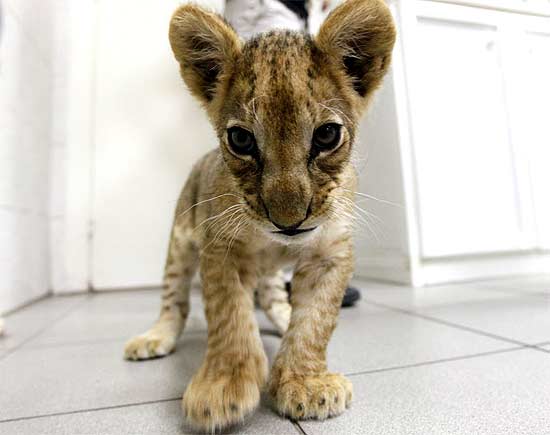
{"type": "Point", "coordinates": [276, 192]}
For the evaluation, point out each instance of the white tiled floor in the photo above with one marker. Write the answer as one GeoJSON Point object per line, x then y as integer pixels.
{"type": "Point", "coordinates": [464, 359]}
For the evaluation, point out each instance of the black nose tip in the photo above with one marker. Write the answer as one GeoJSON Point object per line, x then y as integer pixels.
{"type": "Point", "coordinates": [286, 227]}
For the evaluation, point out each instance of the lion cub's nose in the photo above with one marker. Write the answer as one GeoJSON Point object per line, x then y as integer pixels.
{"type": "Point", "coordinates": [286, 198]}
{"type": "Point", "coordinates": [287, 211]}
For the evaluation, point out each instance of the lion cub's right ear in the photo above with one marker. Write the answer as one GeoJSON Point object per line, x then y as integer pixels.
{"type": "Point", "coordinates": [206, 48]}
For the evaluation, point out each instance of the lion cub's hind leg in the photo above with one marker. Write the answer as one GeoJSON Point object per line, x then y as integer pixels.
{"type": "Point", "coordinates": [273, 299]}
{"type": "Point", "coordinates": [180, 268]}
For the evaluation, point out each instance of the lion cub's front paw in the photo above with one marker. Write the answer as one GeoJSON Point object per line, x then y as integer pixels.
{"type": "Point", "coordinates": [214, 402]}
{"type": "Point", "coordinates": [319, 396]}
{"type": "Point", "coordinates": [152, 344]}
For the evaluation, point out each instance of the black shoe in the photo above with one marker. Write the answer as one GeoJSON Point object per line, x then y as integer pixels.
{"type": "Point", "coordinates": [351, 296]}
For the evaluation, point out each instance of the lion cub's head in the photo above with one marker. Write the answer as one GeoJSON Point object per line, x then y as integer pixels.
{"type": "Point", "coordinates": [285, 105]}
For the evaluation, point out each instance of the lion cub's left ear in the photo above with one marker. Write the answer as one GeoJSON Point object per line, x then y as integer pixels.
{"type": "Point", "coordinates": [206, 48]}
{"type": "Point", "coordinates": [361, 35]}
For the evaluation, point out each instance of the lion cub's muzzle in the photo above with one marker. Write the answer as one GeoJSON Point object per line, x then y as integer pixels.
{"type": "Point", "coordinates": [287, 211]}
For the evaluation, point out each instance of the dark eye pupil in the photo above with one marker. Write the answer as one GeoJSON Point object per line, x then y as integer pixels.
{"type": "Point", "coordinates": [326, 133]}
{"type": "Point", "coordinates": [241, 140]}
{"type": "Point", "coordinates": [327, 136]}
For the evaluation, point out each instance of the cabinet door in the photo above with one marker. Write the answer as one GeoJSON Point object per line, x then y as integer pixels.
{"type": "Point", "coordinates": [536, 123]}
{"type": "Point", "coordinates": [467, 186]}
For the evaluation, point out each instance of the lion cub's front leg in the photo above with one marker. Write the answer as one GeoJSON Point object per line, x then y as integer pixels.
{"type": "Point", "coordinates": [227, 386]}
{"type": "Point", "coordinates": [300, 383]}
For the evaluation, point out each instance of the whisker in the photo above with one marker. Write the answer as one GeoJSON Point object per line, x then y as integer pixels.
{"type": "Point", "coordinates": [204, 201]}
{"type": "Point", "coordinates": [383, 201]}
{"type": "Point", "coordinates": [335, 111]}
{"type": "Point", "coordinates": [361, 210]}
{"type": "Point", "coordinates": [224, 226]}
{"type": "Point", "coordinates": [238, 228]}
{"type": "Point", "coordinates": [358, 214]}
{"type": "Point", "coordinates": [227, 210]}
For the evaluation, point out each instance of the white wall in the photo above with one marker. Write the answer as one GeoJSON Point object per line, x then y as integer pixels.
{"type": "Point", "coordinates": [26, 48]}
{"type": "Point", "coordinates": [149, 132]}
{"type": "Point", "coordinates": [97, 134]}
{"type": "Point", "coordinates": [126, 137]}
{"type": "Point", "coordinates": [72, 152]}
{"type": "Point", "coordinates": [95, 127]}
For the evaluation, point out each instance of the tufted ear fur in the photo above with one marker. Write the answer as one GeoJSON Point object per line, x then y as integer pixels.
{"type": "Point", "coordinates": [361, 35]}
{"type": "Point", "coordinates": [205, 47]}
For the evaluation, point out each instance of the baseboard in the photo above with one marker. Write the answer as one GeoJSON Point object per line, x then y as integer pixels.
{"type": "Point", "coordinates": [447, 270]}
{"type": "Point", "coordinates": [386, 267]}
{"type": "Point", "coordinates": [393, 267]}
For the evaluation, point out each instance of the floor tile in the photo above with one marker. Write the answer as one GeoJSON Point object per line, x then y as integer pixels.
{"type": "Point", "coordinates": [34, 319]}
{"type": "Point", "coordinates": [156, 418]}
{"type": "Point", "coordinates": [497, 394]}
{"type": "Point", "coordinates": [419, 299]}
{"type": "Point", "coordinates": [120, 316]}
{"type": "Point", "coordinates": [512, 315]}
{"type": "Point", "coordinates": [66, 378]}
{"type": "Point", "coordinates": [114, 316]}
{"type": "Point", "coordinates": [68, 360]}
{"type": "Point", "coordinates": [525, 319]}
{"type": "Point", "coordinates": [368, 338]}
{"type": "Point", "coordinates": [538, 285]}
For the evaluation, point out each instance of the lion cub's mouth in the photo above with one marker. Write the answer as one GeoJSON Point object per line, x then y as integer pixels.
{"type": "Point", "coordinates": [294, 232]}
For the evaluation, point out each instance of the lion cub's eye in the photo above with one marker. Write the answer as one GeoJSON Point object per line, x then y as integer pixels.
{"type": "Point", "coordinates": [327, 137]}
{"type": "Point", "coordinates": [241, 141]}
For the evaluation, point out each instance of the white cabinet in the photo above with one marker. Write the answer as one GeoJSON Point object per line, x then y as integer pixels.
{"type": "Point", "coordinates": [470, 92]}
{"type": "Point", "coordinates": [537, 7]}
{"type": "Point", "coordinates": [536, 126]}
{"type": "Point", "coordinates": [467, 196]}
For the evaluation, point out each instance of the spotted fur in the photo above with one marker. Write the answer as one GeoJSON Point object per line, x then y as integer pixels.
{"type": "Point", "coordinates": [281, 86]}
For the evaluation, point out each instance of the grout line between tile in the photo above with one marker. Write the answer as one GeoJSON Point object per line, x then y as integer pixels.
{"type": "Point", "coordinates": [27, 304]}
{"type": "Point", "coordinates": [80, 411]}
{"type": "Point", "coordinates": [43, 330]}
{"type": "Point", "coordinates": [38, 346]}
{"type": "Point", "coordinates": [442, 360]}
{"type": "Point", "coordinates": [535, 294]}
{"type": "Point", "coordinates": [46, 345]}
{"type": "Point", "coordinates": [299, 428]}
{"type": "Point", "coordinates": [447, 323]}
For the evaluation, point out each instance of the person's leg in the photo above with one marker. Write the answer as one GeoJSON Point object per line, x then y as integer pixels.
{"type": "Point", "coordinates": [250, 17]}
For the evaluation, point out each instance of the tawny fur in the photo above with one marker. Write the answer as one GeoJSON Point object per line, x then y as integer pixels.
{"type": "Point", "coordinates": [281, 86]}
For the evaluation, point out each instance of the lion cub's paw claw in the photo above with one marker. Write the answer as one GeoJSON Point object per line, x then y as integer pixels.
{"type": "Point", "coordinates": [212, 404]}
{"type": "Point", "coordinates": [313, 397]}
{"type": "Point", "coordinates": [152, 344]}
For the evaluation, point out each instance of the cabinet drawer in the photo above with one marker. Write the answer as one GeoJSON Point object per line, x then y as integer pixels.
{"type": "Point", "coordinates": [537, 7]}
